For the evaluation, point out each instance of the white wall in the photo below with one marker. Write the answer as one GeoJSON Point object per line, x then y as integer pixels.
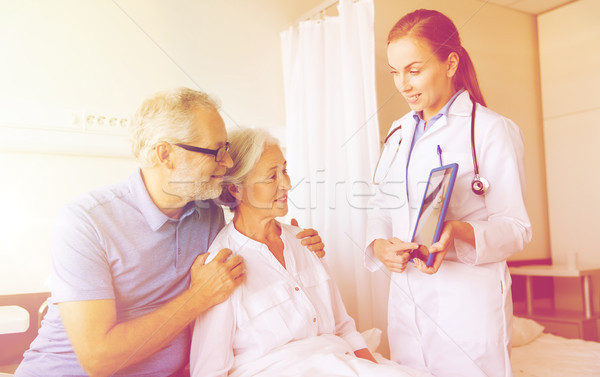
{"type": "Point", "coordinates": [570, 71]}
{"type": "Point", "coordinates": [34, 187]}
{"type": "Point", "coordinates": [108, 55]}
{"type": "Point", "coordinates": [66, 57]}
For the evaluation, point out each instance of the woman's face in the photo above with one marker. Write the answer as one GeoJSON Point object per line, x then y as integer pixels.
{"type": "Point", "coordinates": [423, 80]}
{"type": "Point", "coordinates": [267, 185]}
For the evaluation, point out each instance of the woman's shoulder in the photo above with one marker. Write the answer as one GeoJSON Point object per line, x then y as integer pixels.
{"type": "Point", "coordinates": [408, 117]}
{"type": "Point", "coordinates": [289, 232]}
{"type": "Point", "coordinates": [223, 240]}
{"type": "Point", "coordinates": [496, 126]}
{"type": "Point", "coordinates": [294, 245]}
{"type": "Point", "coordinates": [289, 229]}
{"type": "Point", "coordinates": [484, 116]}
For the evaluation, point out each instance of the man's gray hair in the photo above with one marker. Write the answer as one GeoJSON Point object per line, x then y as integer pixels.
{"type": "Point", "coordinates": [166, 116]}
{"type": "Point", "coordinates": [246, 145]}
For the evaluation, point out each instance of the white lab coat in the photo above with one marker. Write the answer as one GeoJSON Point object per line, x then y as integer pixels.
{"type": "Point", "coordinates": [457, 322]}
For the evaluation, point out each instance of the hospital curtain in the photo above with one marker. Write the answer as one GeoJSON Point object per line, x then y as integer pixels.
{"type": "Point", "coordinates": [332, 145]}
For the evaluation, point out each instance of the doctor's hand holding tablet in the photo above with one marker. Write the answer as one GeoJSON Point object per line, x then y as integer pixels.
{"type": "Point", "coordinates": [449, 312]}
{"type": "Point", "coordinates": [431, 236]}
{"type": "Point", "coordinates": [394, 253]}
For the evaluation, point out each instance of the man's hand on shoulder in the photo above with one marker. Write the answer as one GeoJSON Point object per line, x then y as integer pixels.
{"type": "Point", "coordinates": [311, 239]}
{"type": "Point", "coordinates": [213, 282]}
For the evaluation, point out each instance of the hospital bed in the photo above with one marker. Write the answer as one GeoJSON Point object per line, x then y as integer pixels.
{"type": "Point", "coordinates": [20, 316]}
{"type": "Point", "coordinates": [536, 353]}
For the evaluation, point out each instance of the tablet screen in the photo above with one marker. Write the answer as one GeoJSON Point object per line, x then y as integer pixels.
{"type": "Point", "coordinates": [433, 207]}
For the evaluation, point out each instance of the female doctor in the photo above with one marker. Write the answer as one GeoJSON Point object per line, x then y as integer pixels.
{"type": "Point", "coordinates": [453, 318]}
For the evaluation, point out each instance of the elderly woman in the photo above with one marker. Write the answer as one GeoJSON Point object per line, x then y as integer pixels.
{"type": "Point", "coordinates": [288, 317]}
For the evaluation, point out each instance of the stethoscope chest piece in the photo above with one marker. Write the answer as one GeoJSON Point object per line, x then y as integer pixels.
{"type": "Point", "coordinates": [479, 185]}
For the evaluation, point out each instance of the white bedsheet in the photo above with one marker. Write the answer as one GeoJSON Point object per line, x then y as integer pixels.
{"type": "Point", "coordinates": [321, 356]}
{"type": "Point", "coordinates": [550, 355]}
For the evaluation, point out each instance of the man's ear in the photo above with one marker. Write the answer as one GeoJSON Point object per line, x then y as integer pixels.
{"type": "Point", "coordinates": [163, 152]}
{"type": "Point", "coordinates": [452, 64]}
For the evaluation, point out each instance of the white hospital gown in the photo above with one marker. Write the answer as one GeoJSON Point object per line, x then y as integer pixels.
{"type": "Point", "coordinates": [273, 307]}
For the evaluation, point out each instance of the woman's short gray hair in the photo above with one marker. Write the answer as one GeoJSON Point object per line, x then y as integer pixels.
{"type": "Point", "coordinates": [166, 116]}
{"type": "Point", "coordinates": [246, 145]}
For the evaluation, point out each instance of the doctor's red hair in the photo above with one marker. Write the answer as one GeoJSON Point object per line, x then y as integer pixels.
{"type": "Point", "coordinates": [441, 34]}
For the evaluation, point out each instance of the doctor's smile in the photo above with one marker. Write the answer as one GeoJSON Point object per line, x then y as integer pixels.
{"type": "Point", "coordinates": [412, 98]}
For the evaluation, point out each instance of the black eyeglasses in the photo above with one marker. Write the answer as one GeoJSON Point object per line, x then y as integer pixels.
{"type": "Point", "coordinates": [218, 153]}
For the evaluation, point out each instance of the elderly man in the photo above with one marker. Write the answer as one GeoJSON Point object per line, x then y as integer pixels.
{"type": "Point", "coordinates": [128, 261]}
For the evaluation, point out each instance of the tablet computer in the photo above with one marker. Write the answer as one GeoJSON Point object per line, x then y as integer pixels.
{"type": "Point", "coordinates": [432, 212]}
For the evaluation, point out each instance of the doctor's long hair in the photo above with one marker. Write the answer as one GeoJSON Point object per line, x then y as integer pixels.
{"type": "Point", "coordinates": [440, 32]}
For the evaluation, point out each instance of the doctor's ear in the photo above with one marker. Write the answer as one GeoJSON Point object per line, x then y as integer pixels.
{"type": "Point", "coordinates": [452, 64]}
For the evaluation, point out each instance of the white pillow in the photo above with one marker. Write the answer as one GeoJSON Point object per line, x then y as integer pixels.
{"type": "Point", "coordinates": [525, 331]}
{"type": "Point", "coordinates": [372, 338]}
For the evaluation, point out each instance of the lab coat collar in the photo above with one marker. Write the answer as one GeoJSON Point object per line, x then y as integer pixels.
{"type": "Point", "coordinates": [462, 105]}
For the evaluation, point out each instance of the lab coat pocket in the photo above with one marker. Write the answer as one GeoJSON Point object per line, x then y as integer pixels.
{"type": "Point", "coordinates": [470, 303]}
{"type": "Point", "coordinates": [266, 314]}
{"type": "Point", "coordinates": [317, 285]}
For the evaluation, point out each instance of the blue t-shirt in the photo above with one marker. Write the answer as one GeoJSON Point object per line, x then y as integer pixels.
{"type": "Point", "coordinates": [114, 243]}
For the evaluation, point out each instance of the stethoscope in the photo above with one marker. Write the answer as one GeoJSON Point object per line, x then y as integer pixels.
{"type": "Point", "coordinates": [479, 185]}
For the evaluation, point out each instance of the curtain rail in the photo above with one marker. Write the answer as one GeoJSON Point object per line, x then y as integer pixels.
{"type": "Point", "coordinates": [316, 10]}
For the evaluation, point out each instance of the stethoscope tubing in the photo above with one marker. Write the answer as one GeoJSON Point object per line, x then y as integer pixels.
{"type": "Point", "coordinates": [479, 185]}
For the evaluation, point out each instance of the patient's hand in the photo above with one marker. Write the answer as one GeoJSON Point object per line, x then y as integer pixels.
{"type": "Point", "coordinates": [364, 353]}
{"type": "Point", "coordinates": [311, 239]}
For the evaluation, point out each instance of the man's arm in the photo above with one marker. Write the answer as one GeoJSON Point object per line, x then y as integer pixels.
{"type": "Point", "coordinates": [103, 346]}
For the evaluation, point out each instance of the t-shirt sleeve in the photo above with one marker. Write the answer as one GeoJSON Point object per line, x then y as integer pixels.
{"type": "Point", "coordinates": [80, 269]}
